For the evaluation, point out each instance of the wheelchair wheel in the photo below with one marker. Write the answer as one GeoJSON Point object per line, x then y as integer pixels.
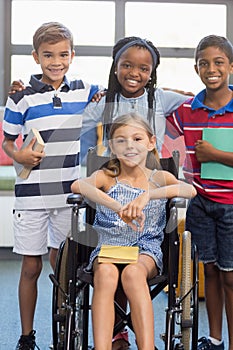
{"type": "Point", "coordinates": [186, 317]}
{"type": "Point", "coordinates": [59, 299]}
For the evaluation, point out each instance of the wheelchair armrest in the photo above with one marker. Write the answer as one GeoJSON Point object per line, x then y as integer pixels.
{"type": "Point", "coordinates": [75, 198]}
{"type": "Point", "coordinates": [177, 202]}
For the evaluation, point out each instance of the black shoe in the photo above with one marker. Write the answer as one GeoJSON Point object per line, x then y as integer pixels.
{"type": "Point", "coordinates": [27, 342]}
{"type": "Point", "coordinates": [206, 344]}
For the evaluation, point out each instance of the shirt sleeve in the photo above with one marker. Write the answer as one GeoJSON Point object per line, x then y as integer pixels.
{"type": "Point", "coordinates": [13, 119]}
{"type": "Point", "coordinates": [171, 100]}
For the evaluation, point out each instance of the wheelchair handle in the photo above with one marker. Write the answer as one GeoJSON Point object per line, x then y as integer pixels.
{"type": "Point", "coordinates": [75, 198]}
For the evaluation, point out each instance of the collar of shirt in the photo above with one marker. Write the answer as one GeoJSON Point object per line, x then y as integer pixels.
{"type": "Point", "coordinates": [198, 103]}
{"type": "Point", "coordinates": [38, 85]}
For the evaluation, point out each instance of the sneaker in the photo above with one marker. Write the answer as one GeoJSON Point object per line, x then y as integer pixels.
{"type": "Point", "coordinates": [205, 344]}
{"type": "Point", "coordinates": [27, 342]}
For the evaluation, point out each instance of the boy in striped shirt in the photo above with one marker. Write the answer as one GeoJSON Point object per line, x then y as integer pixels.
{"type": "Point", "coordinates": [53, 105]}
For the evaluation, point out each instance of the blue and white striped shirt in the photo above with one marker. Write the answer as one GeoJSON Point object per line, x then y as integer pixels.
{"type": "Point", "coordinates": [49, 183]}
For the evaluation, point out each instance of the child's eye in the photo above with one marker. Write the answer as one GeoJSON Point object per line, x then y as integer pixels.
{"type": "Point", "coordinates": [47, 55]}
{"type": "Point", "coordinates": [218, 63]}
{"type": "Point", "coordinates": [137, 139]}
{"type": "Point", "coordinates": [126, 65]}
{"type": "Point", "coordinates": [119, 140]}
{"type": "Point", "coordinates": [202, 64]}
{"type": "Point", "coordinates": [144, 69]}
{"type": "Point", "coordinates": [64, 55]}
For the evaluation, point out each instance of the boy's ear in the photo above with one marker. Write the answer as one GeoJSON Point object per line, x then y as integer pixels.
{"type": "Point", "coordinates": [72, 55]}
{"type": "Point", "coordinates": [231, 71]}
{"type": "Point", "coordinates": [35, 56]}
{"type": "Point", "coordinates": [196, 69]}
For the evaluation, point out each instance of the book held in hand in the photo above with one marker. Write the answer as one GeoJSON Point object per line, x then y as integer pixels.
{"type": "Point", "coordinates": [118, 254]}
{"type": "Point", "coordinates": [38, 146]}
{"type": "Point", "coordinates": [222, 139]}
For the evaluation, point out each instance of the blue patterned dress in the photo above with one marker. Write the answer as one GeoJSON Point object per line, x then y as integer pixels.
{"type": "Point", "coordinates": [112, 230]}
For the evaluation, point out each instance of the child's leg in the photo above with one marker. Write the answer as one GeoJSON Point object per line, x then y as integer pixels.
{"type": "Point", "coordinates": [53, 257]}
{"type": "Point", "coordinates": [106, 278]}
{"type": "Point", "coordinates": [134, 280]}
{"type": "Point", "coordinates": [214, 296]}
{"type": "Point", "coordinates": [30, 271]}
{"type": "Point", "coordinates": [228, 289]}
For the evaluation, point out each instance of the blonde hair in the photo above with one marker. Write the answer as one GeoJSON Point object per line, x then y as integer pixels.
{"type": "Point", "coordinates": [53, 33]}
{"type": "Point", "coordinates": [113, 167]}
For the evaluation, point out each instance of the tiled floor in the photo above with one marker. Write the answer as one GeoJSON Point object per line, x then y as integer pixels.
{"type": "Point", "coordinates": [9, 314]}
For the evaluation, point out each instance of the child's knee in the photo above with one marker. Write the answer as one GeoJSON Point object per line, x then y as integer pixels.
{"type": "Point", "coordinates": [31, 267]}
{"type": "Point", "coordinates": [106, 275]}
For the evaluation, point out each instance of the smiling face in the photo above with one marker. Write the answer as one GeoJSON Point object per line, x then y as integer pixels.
{"type": "Point", "coordinates": [131, 145]}
{"type": "Point", "coordinates": [214, 68]}
{"type": "Point", "coordinates": [55, 60]}
{"type": "Point", "coordinates": [133, 70]}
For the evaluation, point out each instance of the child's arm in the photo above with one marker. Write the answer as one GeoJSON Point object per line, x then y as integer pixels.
{"type": "Point", "coordinates": [90, 187]}
{"type": "Point", "coordinates": [169, 187]}
{"type": "Point", "coordinates": [206, 152]}
{"type": "Point", "coordinates": [25, 156]}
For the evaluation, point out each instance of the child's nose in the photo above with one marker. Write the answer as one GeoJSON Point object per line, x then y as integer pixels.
{"type": "Point", "coordinates": [129, 143]}
{"type": "Point", "coordinates": [134, 71]}
{"type": "Point", "coordinates": [56, 61]}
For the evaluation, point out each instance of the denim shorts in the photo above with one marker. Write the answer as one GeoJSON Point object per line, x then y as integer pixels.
{"type": "Point", "coordinates": [211, 227]}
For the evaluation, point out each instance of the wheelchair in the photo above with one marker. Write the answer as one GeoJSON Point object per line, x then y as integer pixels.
{"type": "Point", "coordinates": [71, 282]}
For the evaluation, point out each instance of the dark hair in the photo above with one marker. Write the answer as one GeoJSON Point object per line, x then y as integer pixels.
{"type": "Point", "coordinates": [113, 166]}
{"type": "Point", "coordinates": [217, 41]}
{"type": "Point", "coordinates": [114, 87]}
{"type": "Point", "coordinates": [52, 32]}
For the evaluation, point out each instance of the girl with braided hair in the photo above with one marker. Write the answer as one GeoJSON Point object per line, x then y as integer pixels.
{"type": "Point", "coordinates": [132, 87]}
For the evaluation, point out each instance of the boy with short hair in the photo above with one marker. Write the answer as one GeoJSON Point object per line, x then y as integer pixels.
{"type": "Point", "coordinates": [54, 106]}
{"type": "Point", "coordinates": [210, 213]}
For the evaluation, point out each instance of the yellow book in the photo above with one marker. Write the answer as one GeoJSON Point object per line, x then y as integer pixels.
{"type": "Point", "coordinates": [39, 145]}
{"type": "Point", "coordinates": [118, 254]}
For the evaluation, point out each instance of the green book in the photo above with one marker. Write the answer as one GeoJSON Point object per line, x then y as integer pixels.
{"type": "Point", "coordinates": [220, 138]}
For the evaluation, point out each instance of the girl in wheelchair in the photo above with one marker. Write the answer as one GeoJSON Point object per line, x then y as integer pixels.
{"type": "Point", "coordinates": [130, 196]}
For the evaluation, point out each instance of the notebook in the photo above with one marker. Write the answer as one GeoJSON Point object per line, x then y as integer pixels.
{"type": "Point", "coordinates": [220, 138]}
{"type": "Point", "coordinates": [118, 254]}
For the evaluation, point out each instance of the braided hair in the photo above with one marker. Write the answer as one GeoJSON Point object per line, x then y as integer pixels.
{"type": "Point", "coordinates": [114, 87]}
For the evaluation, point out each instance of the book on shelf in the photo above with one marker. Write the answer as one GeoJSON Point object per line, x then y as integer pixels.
{"type": "Point", "coordinates": [118, 254]}
{"type": "Point", "coordinates": [222, 139]}
{"type": "Point", "coordinates": [38, 146]}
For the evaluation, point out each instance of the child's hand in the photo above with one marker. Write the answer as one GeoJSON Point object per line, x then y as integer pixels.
{"type": "Point", "coordinates": [204, 151]}
{"type": "Point", "coordinates": [28, 157]}
{"type": "Point", "coordinates": [134, 209]}
{"type": "Point", "coordinates": [97, 97]}
{"type": "Point", "coordinates": [136, 224]}
{"type": "Point", "coordinates": [16, 85]}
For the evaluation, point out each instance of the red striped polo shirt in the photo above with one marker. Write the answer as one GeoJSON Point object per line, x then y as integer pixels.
{"type": "Point", "coordinates": [189, 120]}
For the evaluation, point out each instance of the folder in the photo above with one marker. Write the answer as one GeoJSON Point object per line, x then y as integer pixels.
{"type": "Point", "coordinates": [222, 139]}
{"type": "Point", "coordinates": [118, 254]}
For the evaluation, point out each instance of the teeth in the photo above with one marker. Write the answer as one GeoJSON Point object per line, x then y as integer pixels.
{"type": "Point", "coordinates": [213, 78]}
{"type": "Point", "coordinates": [130, 154]}
{"type": "Point", "coordinates": [132, 81]}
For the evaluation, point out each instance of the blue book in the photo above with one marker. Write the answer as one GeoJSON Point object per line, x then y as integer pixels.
{"type": "Point", "coordinates": [220, 138]}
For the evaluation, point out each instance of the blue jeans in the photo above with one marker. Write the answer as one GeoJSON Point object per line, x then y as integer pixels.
{"type": "Point", "coordinates": [211, 226]}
